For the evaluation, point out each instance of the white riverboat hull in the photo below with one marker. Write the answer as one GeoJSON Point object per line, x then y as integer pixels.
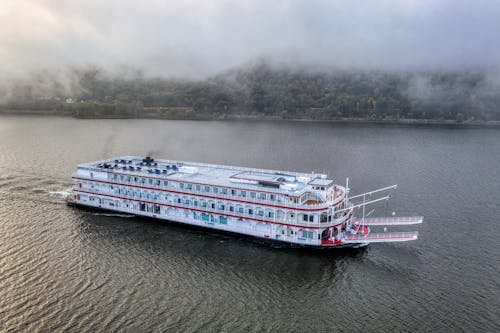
{"type": "Point", "coordinates": [260, 239]}
{"type": "Point", "coordinates": [288, 208]}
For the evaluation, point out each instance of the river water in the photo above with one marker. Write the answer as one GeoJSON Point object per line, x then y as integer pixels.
{"type": "Point", "coordinates": [66, 269]}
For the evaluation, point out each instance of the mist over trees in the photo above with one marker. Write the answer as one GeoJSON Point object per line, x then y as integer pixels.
{"type": "Point", "coordinates": [261, 91]}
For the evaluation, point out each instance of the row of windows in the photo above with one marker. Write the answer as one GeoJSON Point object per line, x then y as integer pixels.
{"type": "Point", "coordinates": [206, 217]}
{"type": "Point", "coordinates": [320, 188]}
{"type": "Point", "coordinates": [324, 217]}
{"type": "Point", "coordinates": [208, 204]}
{"type": "Point", "coordinates": [223, 207]}
{"type": "Point", "coordinates": [198, 188]}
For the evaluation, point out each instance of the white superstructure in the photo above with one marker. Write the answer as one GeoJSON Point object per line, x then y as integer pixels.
{"type": "Point", "coordinates": [305, 209]}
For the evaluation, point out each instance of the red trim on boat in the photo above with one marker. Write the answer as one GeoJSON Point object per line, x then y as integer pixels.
{"type": "Point", "coordinates": [196, 183]}
{"type": "Point", "coordinates": [211, 212]}
{"type": "Point", "coordinates": [210, 196]}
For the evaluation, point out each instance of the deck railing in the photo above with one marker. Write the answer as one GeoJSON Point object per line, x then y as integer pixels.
{"type": "Point", "coordinates": [383, 237]}
{"type": "Point", "coordinates": [287, 204]}
{"type": "Point", "coordinates": [160, 199]}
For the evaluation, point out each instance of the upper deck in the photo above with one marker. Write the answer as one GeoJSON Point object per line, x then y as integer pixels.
{"type": "Point", "coordinates": [274, 181]}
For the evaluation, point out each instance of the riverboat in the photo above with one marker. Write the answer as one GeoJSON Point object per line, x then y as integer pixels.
{"type": "Point", "coordinates": [292, 208]}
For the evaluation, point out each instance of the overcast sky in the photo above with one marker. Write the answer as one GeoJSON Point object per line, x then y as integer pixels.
{"type": "Point", "coordinates": [198, 38]}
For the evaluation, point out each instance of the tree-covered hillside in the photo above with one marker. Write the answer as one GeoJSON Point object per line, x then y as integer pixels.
{"type": "Point", "coordinates": [264, 91]}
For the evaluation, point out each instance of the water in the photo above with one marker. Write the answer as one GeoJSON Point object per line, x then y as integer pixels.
{"type": "Point", "coordinates": [65, 269]}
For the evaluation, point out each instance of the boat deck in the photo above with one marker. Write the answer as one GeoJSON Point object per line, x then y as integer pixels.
{"type": "Point", "coordinates": [286, 182]}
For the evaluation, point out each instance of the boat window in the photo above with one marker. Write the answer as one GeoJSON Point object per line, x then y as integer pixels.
{"type": "Point", "coordinates": [307, 234]}
{"type": "Point", "coordinates": [165, 183]}
{"type": "Point", "coordinates": [272, 197]}
{"type": "Point", "coordinates": [150, 181]}
{"type": "Point", "coordinates": [215, 190]}
{"type": "Point", "coordinates": [198, 187]}
{"type": "Point", "coordinates": [224, 191]}
{"type": "Point", "coordinates": [189, 186]}
{"type": "Point", "coordinates": [263, 196]}
{"type": "Point", "coordinates": [240, 210]}
{"type": "Point", "coordinates": [212, 205]}
{"type": "Point", "coordinates": [250, 211]}
{"type": "Point", "coordinates": [181, 185]}
{"type": "Point", "coordinates": [323, 218]}
{"type": "Point", "coordinates": [233, 192]}
{"type": "Point", "coordinates": [207, 189]}
{"type": "Point", "coordinates": [305, 218]}
{"type": "Point", "coordinates": [231, 208]}
{"type": "Point", "coordinates": [243, 193]}
{"type": "Point", "coordinates": [253, 195]}
{"type": "Point", "coordinates": [311, 218]}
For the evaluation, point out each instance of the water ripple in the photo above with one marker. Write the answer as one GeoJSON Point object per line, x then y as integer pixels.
{"type": "Point", "coordinates": [65, 269]}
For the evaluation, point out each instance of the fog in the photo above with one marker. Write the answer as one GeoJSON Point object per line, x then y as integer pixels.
{"type": "Point", "coordinates": [196, 39]}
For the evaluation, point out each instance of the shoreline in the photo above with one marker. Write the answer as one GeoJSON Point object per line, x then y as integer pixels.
{"type": "Point", "coordinates": [251, 117]}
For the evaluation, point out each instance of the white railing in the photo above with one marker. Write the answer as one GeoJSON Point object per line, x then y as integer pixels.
{"type": "Point", "coordinates": [222, 196]}
{"type": "Point", "coordinates": [249, 229]}
{"type": "Point", "coordinates": [382, 237]}
{"type": "Point", "coordinates": [161, 200]}
{"type": "Point", "coordinates": [391, 220]}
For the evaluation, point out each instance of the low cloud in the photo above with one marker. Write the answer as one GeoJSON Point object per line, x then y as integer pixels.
{"type": "Point", "coordinates": [201, 38]}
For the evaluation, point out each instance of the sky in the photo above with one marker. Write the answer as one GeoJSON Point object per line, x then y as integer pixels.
{"type": "Point", "coordinates": [202, 38]}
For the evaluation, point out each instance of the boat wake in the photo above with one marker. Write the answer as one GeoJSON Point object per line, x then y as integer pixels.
{"type": "Point", "coordinates": [63, 194]}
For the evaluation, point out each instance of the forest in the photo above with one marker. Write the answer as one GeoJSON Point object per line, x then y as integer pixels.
{"type": "Point", "coordinates": [261, 91]}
